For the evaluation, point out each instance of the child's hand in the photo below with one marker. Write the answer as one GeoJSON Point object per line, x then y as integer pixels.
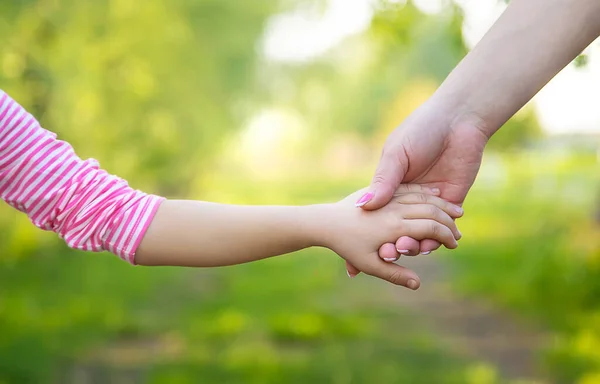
{"type": "Point", "coordinates": [356, 235]}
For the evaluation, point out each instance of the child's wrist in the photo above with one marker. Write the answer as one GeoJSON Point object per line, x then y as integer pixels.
{"type": "Point", "coordinates": [318, 221]}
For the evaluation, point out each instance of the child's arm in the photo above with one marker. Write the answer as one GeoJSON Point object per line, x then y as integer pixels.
{"type": "Point", "coordinates": [201, 234]}
{"type": "Point", "coordinates": [191, 233]}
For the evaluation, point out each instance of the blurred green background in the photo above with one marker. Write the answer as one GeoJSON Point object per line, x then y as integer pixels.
{"type": "Point", "coordinates": [179, 98]}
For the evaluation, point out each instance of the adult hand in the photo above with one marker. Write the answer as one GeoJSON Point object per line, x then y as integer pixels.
{"type": "Point", "coordinates": [431, 150]}
{"type": "Point", "coordinates": [441, 144]}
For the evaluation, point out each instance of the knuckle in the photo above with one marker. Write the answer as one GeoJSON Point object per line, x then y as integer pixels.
{"type": "Point", "coordinates": [452, 225]}
{"type": "Point", "coordinates": [452, 230]}
{"type": "Point", "coordinates": [412, 188]}
{"type": "Point", "coordinates": [450, 210]}
{"type": "Point", "coordinates": [396, 276]}
{"type": "Point", "coordinates": [448, 236]}
{"type": "Point", "coordinates": [434, 229]}
{"type": "Point", "coordinates": [433, 211]}
{"type": "Point", "coordinates": [402, 198]}
{"type": "Point", "coordinates": [389, 154]}
{"type": "Point", "coordinates": [421, 198]}
{"type": "Point", "coordinates": [378, 178]}
{"type": "Point", "coordinates": [399, 224]}
{"type": "Point", "coordinates": [402, 188]}
{"type": "Point", "coordinates": [390, 151]}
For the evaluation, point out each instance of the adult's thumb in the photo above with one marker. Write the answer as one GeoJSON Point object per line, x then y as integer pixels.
{"type": "Point", "coordinates": [388, 176]}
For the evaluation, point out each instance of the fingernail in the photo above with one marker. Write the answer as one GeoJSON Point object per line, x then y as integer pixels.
{"type": "Point", "coordinates": [403, 251]}
{"type": "Point", "coordinates": [349, 275]}
{"type": "Point", "coordinates": [390, 259]}
{"type": "Point", "coordinates": [435, 190]}
{"type": "Point", "coordinates": [425, 253]}
{"type": "Point", "coordinates": [459, 233]}
{"type": "Point", "coordinates": [364, 199]}
{"type": "Point", "coordinates": [412, 284]}
{"type": "Point", "coordinates": [459, 210]}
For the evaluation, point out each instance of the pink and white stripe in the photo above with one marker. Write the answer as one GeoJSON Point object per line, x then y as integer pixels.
{"type": "Point", "coordinates": [44, 178]}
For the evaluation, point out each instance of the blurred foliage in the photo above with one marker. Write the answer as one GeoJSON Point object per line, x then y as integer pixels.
{"type": "Point", "coordinates": [521, 130]}
{"type": "Point", "coordinates": [581, 61]}
{"type": "Point", "coordinates": [349, 89]}
{"type": "Point", "coordinates": [532, 246]}
{"type": "Point", "coordinates": [150, 89]}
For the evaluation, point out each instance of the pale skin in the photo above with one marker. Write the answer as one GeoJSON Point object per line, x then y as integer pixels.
{"type": "Point", "coordinates": [441, 144]}
{"type": "Point", "coordinates": [202, 234]}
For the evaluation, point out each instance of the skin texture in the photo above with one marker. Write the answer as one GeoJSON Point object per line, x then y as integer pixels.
{"type": "Point", "coordinates": [441, 144]}
{"type": "Point", "coordinates": [201, 234]}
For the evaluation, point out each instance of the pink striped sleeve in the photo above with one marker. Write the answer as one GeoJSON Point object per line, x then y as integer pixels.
{"type": "Point", "coordinates": [44, 178]}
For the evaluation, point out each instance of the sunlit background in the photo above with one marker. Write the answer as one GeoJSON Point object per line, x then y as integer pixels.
{"type": "Point", "coordinates": [289, 102]}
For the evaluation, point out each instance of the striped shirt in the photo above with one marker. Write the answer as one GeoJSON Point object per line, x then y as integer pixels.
{"type": "Point", "coordinates": [44, 178]}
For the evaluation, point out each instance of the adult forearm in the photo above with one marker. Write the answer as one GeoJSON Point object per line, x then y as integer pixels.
{"type": "Point", "coordinates": [527, 46]}
{"type": "Point", "coordinates": [200, 234]}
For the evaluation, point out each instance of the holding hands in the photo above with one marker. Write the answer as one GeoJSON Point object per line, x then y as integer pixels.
{"type": "Point", "coordinates": [441, 144]}
{"type": "Point", "coordinates": [436, 151]}
{"type": "Point", "coordinates": [413, 211]}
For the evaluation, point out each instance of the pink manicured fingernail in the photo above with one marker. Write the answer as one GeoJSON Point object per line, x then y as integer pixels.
{"type": "Point", "coordinates": [390, 259]}
{"type": "Point", "coordinates": [349, 275]}
{"type": "Point", "coordinates": [435, 190]}
{"type": "Point", "coordinates": [403, 251]}
{"type": "Point", "coordinates": [459, 210]}
{"type": "Point", "coordinates": [364, 199]}
{"type": "Point", "coordinates": [425, 253]}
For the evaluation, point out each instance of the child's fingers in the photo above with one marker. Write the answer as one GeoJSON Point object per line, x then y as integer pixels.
{"type": "Point", "coordinates": [351, 270]}
{"type": "Point", "coordinates": [421, 229]}
{"type": "Point", "coordinates": [416, 188]}
{"type": "Point", "coordinates": [426, 211]}
{"type": "Point", "coordinates": [419, 198]}
{"type": "Point", "coordinates": [393, 273]}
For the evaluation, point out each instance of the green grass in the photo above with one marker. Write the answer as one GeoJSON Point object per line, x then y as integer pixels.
{"type": "Point", "coordinates": [532, 247]}
{"type": "Point", "coordinates": [290, 320]}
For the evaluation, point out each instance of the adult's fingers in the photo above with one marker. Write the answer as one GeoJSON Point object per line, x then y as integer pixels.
{"type": "Point", "coordinates": [368, 195]}
{"type": "Point", "coordinates": [408, 246]}
{"type": "Point", "coordinates": [416, 188]}
{"type": "Point", "coordinates": [452, 210]}
{"type": "Point", "coordinates": [421, 229]}
{"type": "Point", "coordinates": [411, 247]}
{"type": "Point", "coordinates": [426, 211]}
{"type": "Point", "coordinates": [428, 246]}
{"type": "Point", "coordinates": [388, 253]}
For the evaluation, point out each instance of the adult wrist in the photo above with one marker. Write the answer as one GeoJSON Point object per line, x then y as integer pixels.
{"type": "Point", "coordinates": [458, 110]}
